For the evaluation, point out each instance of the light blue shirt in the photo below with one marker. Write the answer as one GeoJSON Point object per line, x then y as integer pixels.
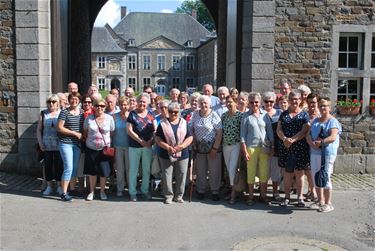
{"type": "Point", "coordinates": [256, 131]}
{"type": "Point", "coordinates": [214, 101]}
{"type": "Point", "coordinates": [120, 135]}
{"type": "Point", "coordinates": [331, 149]}
{"type": "Point", "coordinates": [220, 108]}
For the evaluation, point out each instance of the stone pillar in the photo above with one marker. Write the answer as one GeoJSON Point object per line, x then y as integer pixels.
{"type": "Point", "coordinates": [257, 64]}
{"type": "Point", "coordinates": [33, 64]}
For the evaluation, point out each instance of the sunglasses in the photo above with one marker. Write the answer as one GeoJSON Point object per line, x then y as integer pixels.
{"type": "Point", "coordinates": [269, 101]}
{"type": "Point", "coordinates": [87, 102]}
{"type": "Point", "coordinates": [163, 107]}
{"type": "Point", "coordinates": [51, 101]}
{"type": "Point", "coordinates": [101, 106]}
{"type": "Point", "coordinates": [173, 112]}
{"type": "Point", "coordinates": [254, 102]}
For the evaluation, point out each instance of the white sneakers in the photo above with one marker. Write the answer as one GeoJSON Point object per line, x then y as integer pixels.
{"type": "Point", "coordinates": [48, 191]}
{"type": "Point", "coordinates": [90, 196]}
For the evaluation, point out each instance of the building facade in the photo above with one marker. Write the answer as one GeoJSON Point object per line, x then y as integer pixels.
{"type": "Point", "coordinates": [148, 53]}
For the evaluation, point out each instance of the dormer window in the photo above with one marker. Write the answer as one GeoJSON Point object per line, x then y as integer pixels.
{"type": "Point", "coordinates": [131, 42]}
{"type": "Point", "coordinates": [189, 43]}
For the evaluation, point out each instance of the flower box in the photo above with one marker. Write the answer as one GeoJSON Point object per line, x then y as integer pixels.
{"type": "Point", "coordinates": [348, 110]}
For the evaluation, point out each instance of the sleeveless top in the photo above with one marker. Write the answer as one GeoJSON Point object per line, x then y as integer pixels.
{"type": "Point", "coordinates": [50, 138]}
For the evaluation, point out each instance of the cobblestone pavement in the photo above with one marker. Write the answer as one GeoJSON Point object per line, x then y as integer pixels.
{"type": "Point", "coordinates": [340, 182]}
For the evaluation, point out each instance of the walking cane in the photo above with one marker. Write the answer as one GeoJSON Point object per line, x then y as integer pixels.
{"type": "Point", "coordinates": [191, 179]}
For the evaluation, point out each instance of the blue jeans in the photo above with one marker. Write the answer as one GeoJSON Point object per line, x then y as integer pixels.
{"type": "Point", "coordinates": [70, 154]}
{"type": "Point", "coordinates": [135, 156]}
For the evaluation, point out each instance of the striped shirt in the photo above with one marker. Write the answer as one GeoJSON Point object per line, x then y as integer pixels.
{"type": "Point", "coordinates": [73, 123]}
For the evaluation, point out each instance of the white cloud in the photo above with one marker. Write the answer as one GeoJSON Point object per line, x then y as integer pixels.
{"type": "Point", "coordinates": [166, 11]}
{"type": "Point", "coordinates": [110, 13]}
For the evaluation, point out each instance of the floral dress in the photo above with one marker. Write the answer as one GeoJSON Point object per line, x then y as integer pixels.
{"type": "Point", "coordinates": [290, 127]}
{"type": "Point", "coordinates": [231, 128]}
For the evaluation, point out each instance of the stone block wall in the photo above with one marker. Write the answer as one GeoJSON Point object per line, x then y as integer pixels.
{"type": "Point", "coordinates": [8, 132]}
{"type": "Point", "coordinates": [304, 49]}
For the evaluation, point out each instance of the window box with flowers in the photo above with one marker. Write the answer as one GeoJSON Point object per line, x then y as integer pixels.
{"type": "Point", "coordinates": [372, 107]}
{"type": "Point", "coordinates": [348, 107]}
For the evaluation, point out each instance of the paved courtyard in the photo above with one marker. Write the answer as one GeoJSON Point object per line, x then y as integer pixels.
{"type": "Point", "coordinates": [29, 221]}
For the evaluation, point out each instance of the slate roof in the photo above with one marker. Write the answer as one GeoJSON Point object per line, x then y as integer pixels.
{"type": "Point", "coordinates": [145, 26]}
{"type": "Point", "coordinates": [103, 42]}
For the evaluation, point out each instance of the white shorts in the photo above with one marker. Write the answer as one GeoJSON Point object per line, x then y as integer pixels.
{"type": "Point", "coordinates": [315, 162]}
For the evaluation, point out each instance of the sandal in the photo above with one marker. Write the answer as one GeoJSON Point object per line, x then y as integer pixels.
{"type": "Point", "coordinates": [284, 203]}
{"type": "Point", "coordinates": [300, 203]}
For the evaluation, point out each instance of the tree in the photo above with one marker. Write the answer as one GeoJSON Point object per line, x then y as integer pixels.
{"type": "Point", "coordinates": [203, 16]}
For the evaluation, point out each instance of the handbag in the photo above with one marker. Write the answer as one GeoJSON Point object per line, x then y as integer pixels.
{"type": "Point", "coordinates": [39, 152]}
{"type": "Point", "coordinates": [107, 150]}
{"type": "Point", "coordinates": [204, 146]}
{"type": "Point", "coordinates": [321, 177]}
{"type": "Point", "coordinates": [240, 180]}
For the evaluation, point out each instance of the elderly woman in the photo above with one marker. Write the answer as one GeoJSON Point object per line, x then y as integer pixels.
{"type": "Point", "coordinates": [49, 143]}
{"type": "Point", "coordinates": [231, 121]}
{"type": "Point", "coordinates": [282, 103]}
{"type": "Point", "coordinates": [305, 91]}
{"type": "Point", "coordinates": [243, 102]}
{"type": "Point", "coordinates": [313, 111]}
{"type": "Point", "coordinates": [133, 103]}
{"type": "Point", "coordinates": [257, 144]}
{"type": "Point", "coordinates": [294, 152]}
{"type": "Point", "coordinates": [234, 93]}
{"type": "Point", "coordinates": [193, 100]}
{"type": "Point", "coordinates": [269, 99]}
{"type": "Point", "coordinates": [173, 137]}
{"type": "Point", "coordinates": [174, 94]}
{"type": "Point", "coordinates": [63, 100]}
{"type": "Point", "coordinates": [163, 111]}
{"type": "Point", "coordinates": [207, 132]}
{"type": "Point", "coordinates": [69, 127]}
{"type": "Point", "coordinates": [323, 138]}
{"type": "Point", "coordinates": [97, 132]}
{"type": "Point", "coordinates": [120, 141]}
{"type": "Point", "coordinates": [183, 99]}
{"type": "Point", "coordinates": [141, 128]}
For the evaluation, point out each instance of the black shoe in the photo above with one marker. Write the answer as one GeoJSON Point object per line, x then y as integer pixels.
{"type": "Point", "coordinates": [75, 193]}
{"type": "Point", "coordinates": [200, 196]}
{"type": "Point", "coordinates": [215, 197]}
{"type": "Point", "coordinates": [66, 197]}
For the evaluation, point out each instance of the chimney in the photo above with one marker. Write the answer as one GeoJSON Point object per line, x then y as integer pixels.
{"type": "Point", "coordinates": [194, 14]}
{"type": "Point", "coordinates": [123, 11]}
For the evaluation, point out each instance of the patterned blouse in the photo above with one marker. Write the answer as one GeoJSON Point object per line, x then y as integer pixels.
{"type": "Point", "coordinates": [231, 128]}
{"type": "Point", "coordinates": [143, 127]}
{"type": "Point", "coordinates": [204, 128]}
{"type": "Point", "coordinates": [95, 134]}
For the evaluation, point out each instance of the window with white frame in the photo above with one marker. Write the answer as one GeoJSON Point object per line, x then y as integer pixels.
{"type": "Point", "coordinates": [350, 50]}
{"type": "Point", "coordinates": [372, 89]}
{"type": "Point", "coordinates": [190, 62]}
{"type": "Point", "coordinates": [176, 62]}
{"type": "Point", "coordinates": [100, 62]}
{"type": "Point", "coordinates": [132, 83]}
{"type": "Point", "coordinates": [349, 89]}
{"type": "Point", "coordinates": [176, 83]}
{"type": "Point", "coordinates": [132, 61]}
{"type": "Point", "coordinates": [146, 81]}
{"type": "Point", "coordinates": [101, 83]}
{"type": "Point", "coordinates": [189, 82]}
{"type": "Point", "coordinates": [373, 52]}
{"type": "Point", "coordinates": [161, 62]}
{"type": "Point", "coordinates": [146, 62]}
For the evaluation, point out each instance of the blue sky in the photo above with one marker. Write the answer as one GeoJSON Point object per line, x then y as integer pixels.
{"type": "Point", "coordinates": [110, 12]}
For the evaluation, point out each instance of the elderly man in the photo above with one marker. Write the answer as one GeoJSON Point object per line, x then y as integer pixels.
{"type": "Point", "coordinates": [221, 108]}
{"type": "Point", "coordinates": [129, 92]}
{"type": "Point", "coordinates": [112, 108]}
{"type": "Point", "coordinates": [285, 88]}
{"type": "Point", "coordinates": [208, 91]}
{"type": "Point", "coordinates": [72, 87]}
{"type": "Point", "coordinates": [92, 90]}
{"type": "Point", "coordinates": [115, 92]}
{"type": "Point", "coordinates": [147, 89]}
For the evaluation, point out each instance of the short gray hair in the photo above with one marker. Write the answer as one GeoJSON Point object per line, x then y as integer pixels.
{"type": "Point", "coordinates": [146, 95]}
{"type": "Point", "coordinates": [173, 106]}
{"type": "Point", "coordinates": [268, 95]}
{"type": "Point", "coordinates": [244, 95]}
{"type": "Point", "coordinates": [194, 95]}
{"type": "Point", "coordinates": [294, 93]}
{"type": "Point", "coordinates": [222, 89]}
{"type": "Point", "coordinates": [202, 98]}
{"type": "Point", "coordinates": [255, 95]}
{"type": "Point", "coordinates": [304, 89]}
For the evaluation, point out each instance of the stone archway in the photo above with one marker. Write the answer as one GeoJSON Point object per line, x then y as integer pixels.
{"type": "Point", "coordinates": [115, 84]}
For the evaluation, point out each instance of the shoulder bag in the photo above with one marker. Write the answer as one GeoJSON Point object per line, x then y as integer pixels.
{"type": "Point", "coordinates": [107, 150]}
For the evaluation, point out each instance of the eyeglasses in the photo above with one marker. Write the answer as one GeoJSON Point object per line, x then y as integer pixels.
{"type": "Point", "coordinates": [163, 107]}
{"type": "Point", "coordinates": [173, 112]}
{"type": "Point", "coordinates": [101, 106]}
{"type": "Point", "coordinates": [254, 102]}
{"type": "Point", "coordinates": [269, 101]}
{"type": "Point", "coordinates": [51, 101]}
{"type": "Point", "coordinates": [87, 102]}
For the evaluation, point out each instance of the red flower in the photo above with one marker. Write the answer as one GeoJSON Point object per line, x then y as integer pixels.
{"type": "Point", "coordinates": [373, 100]}
{"type": "Point", "coordinates": [355, 101]}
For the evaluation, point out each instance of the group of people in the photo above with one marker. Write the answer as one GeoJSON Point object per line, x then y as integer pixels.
{"type": "Point", "coordinates": [277, 137]}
